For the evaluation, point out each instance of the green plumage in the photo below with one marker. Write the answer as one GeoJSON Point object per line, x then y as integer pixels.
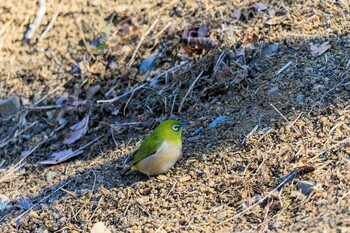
{"type": "Point", "coordinates": [168, 131]}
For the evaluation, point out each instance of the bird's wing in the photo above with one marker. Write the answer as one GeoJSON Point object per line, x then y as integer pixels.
{"type": "Point", "coordinates": [148, 147]}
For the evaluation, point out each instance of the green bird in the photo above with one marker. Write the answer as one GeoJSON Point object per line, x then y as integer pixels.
{"type": "Point", "coordinates": [159, 151]}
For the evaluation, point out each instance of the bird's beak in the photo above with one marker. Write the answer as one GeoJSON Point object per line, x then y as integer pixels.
{"type": "Point", "coordinates": [183, 124]}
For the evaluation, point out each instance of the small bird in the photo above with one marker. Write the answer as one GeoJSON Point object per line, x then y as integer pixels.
{"type": "Point", "coordinates": [159, 151]}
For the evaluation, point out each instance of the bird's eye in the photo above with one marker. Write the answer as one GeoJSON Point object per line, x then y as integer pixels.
{"type": "Point", "coordinates": [176, 127]}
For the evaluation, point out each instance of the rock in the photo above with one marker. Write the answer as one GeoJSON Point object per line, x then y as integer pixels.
{"type": "Point", "coordinates": [9, 106]}
{"type": "Point", "coordinates": [149, 63]}
{"type": "Point", "coordinates": [4, 201]}
{"type": "Point", "coordinates": [121, 195]}
{"type": "Point", "coordinates": [184, 179]}
{"type": "Point", "coordinates": [300, 98]}
{"type": "Point", "coordinates": [305, 187]}
{"type": "Point", "coordinates": [92, 91]}
{"type": "Point", "coordinates": [50, 176]}
{"type": "Point", "coordinates": [25, 203]}
{"type": "Point", "coordinates": [273, 91]}
{"type": "Point", "coordinates": [268, 51]}
{"type": "Point", "coordinates": [162, 178]}
{"type": "Point", "coordinates": [99, 227]}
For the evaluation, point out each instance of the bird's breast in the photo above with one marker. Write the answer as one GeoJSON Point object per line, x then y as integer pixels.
{"type": "Point", "coordinates": [161, 161]}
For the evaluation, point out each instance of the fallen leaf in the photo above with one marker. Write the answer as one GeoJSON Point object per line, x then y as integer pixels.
{"type": "Point", "coordinates": [319, 50]}
{"type": "Point", "coordinates": [78, 130]}
{"type": "Point", "coordinates": [59, 157]}
{"type": "Point", "coordinates": [202, 43]}
{"type": "Point", "coordinates": [252, 39]}
{"type": "Point", "coordinates": [217, 121]}
{"type": "Point", "coordinates": [196, 40]}
{"type": "Point", "coordinates": [99, 227]}
{"type": "Point", "coordinates": [149, 63]}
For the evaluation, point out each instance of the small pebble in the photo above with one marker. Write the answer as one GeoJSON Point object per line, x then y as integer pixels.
{"type": "Point", "coordinates": [305, 187]}
{"type": "Point", "coordinates": [50, 176]}
{"type": "Point", "coordinates": [162, 178]}
{"type": "Point", "coordinates": [185, 179]}
{"type": "Point", "coordinates": [92, 91]}
{"type": "Point", "coordinates": [273, 91]}
{"type": "Point", "coordinates": [121, 195]}
{"type": "Point", "coordinates": [300, 98]}
{"type": "Point", "coordinates": [9, 106]}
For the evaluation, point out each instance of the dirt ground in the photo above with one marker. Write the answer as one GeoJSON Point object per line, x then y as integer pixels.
{"type": "Point", "coordinates": [267, 98]}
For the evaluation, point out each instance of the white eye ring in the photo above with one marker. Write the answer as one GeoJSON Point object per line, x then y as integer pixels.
{"type": "Point", "coordinates": [176, 127]}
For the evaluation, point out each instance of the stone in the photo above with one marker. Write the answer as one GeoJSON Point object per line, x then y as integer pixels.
{"type": "Point", "coordinates": [273, 91]}
{"type": "Point", "coordinates": [92, 91]}
{"type": "Point", "coordinates": [300, 98]}
{"type": "Point", "coordinates": [9, 106]}
{"type": "Point", "coordinates": [305, 187]}
{"type": "Point", "coordinates": [50, 176]}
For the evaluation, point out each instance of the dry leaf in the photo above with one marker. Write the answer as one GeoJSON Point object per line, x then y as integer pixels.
{"type": "Point", "coordinates": [194, 40]}
{"type": "Point", "coordinates": [99, 227]}
{"type": "Point", "coordinates": [251, 39]}
{"type": "Point", "coordinates": [59, 157]}
{"type": "Point", "coordinates": [78, 130]}
{"type": "Point", "coordinates": [319, 50]}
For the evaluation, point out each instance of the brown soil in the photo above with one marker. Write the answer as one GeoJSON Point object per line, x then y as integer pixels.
{"type": "Point", "coordinates": [280, 162]}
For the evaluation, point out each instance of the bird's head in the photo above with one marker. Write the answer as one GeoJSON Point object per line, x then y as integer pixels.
{"type": "Point", "coordinates": [170, 130]}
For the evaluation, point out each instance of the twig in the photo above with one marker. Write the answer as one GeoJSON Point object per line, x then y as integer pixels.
{"type": "Point", "coordinates": [53, 19]}
{"type": "Point", "coordinates": [173, 105]}
{"type": "Point", "coordinates": [161, 31]}
{"type": "Point", "coordinates": [93, 213]}
{"type": "Point", "coordinates": [39, 15]}
{"type": "Point", "coordinates": [33, 206]}
{"type": "Point", "coordinates": [92, 191]}
{"type": "Point", "coordinates": [287, 179]}
{"type": "Point", "coordinates": [284, 118]}
{"type": "Point", "coordinates": [250, 133]}
{"type": "Point", "coordinates": [18, 165]}
{"type": "Point", "coordinates": [8, 139]}
{"type": "Point", "coordinates": [115, 142]}
{"type": "Point", "coordinates": [152, 82]}
{"type": "Point", "coordinates": [189, 90]}
{"type": "Point", "coordinates": [337, 85]}
{"type": "Point", "coordinates": [143, 37]}
{"type": "Point", "coordinates": [155, 79]}
{"type": "Point", "coordinates": [171, 189]}
{"type": "Point", "coordinates": [302, 35]}
{"type": "Point", "coordinates": [218, 61]}
{"type": "Point", "coordinates": [121, 96]}
{"type": "Point", "coordinates": [53, 91]}
{"type": "Point", "coordinates": [48, 107]}
{"type": "Point", "coordinates": [284, 68]}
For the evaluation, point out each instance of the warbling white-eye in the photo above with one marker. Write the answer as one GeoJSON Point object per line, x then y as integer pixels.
{"type": "Point", "coordinates": [160, 150]}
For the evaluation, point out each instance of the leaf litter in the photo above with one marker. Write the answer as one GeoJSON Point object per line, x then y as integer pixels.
{"type": "Point", "coordinates": [222, 177]}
